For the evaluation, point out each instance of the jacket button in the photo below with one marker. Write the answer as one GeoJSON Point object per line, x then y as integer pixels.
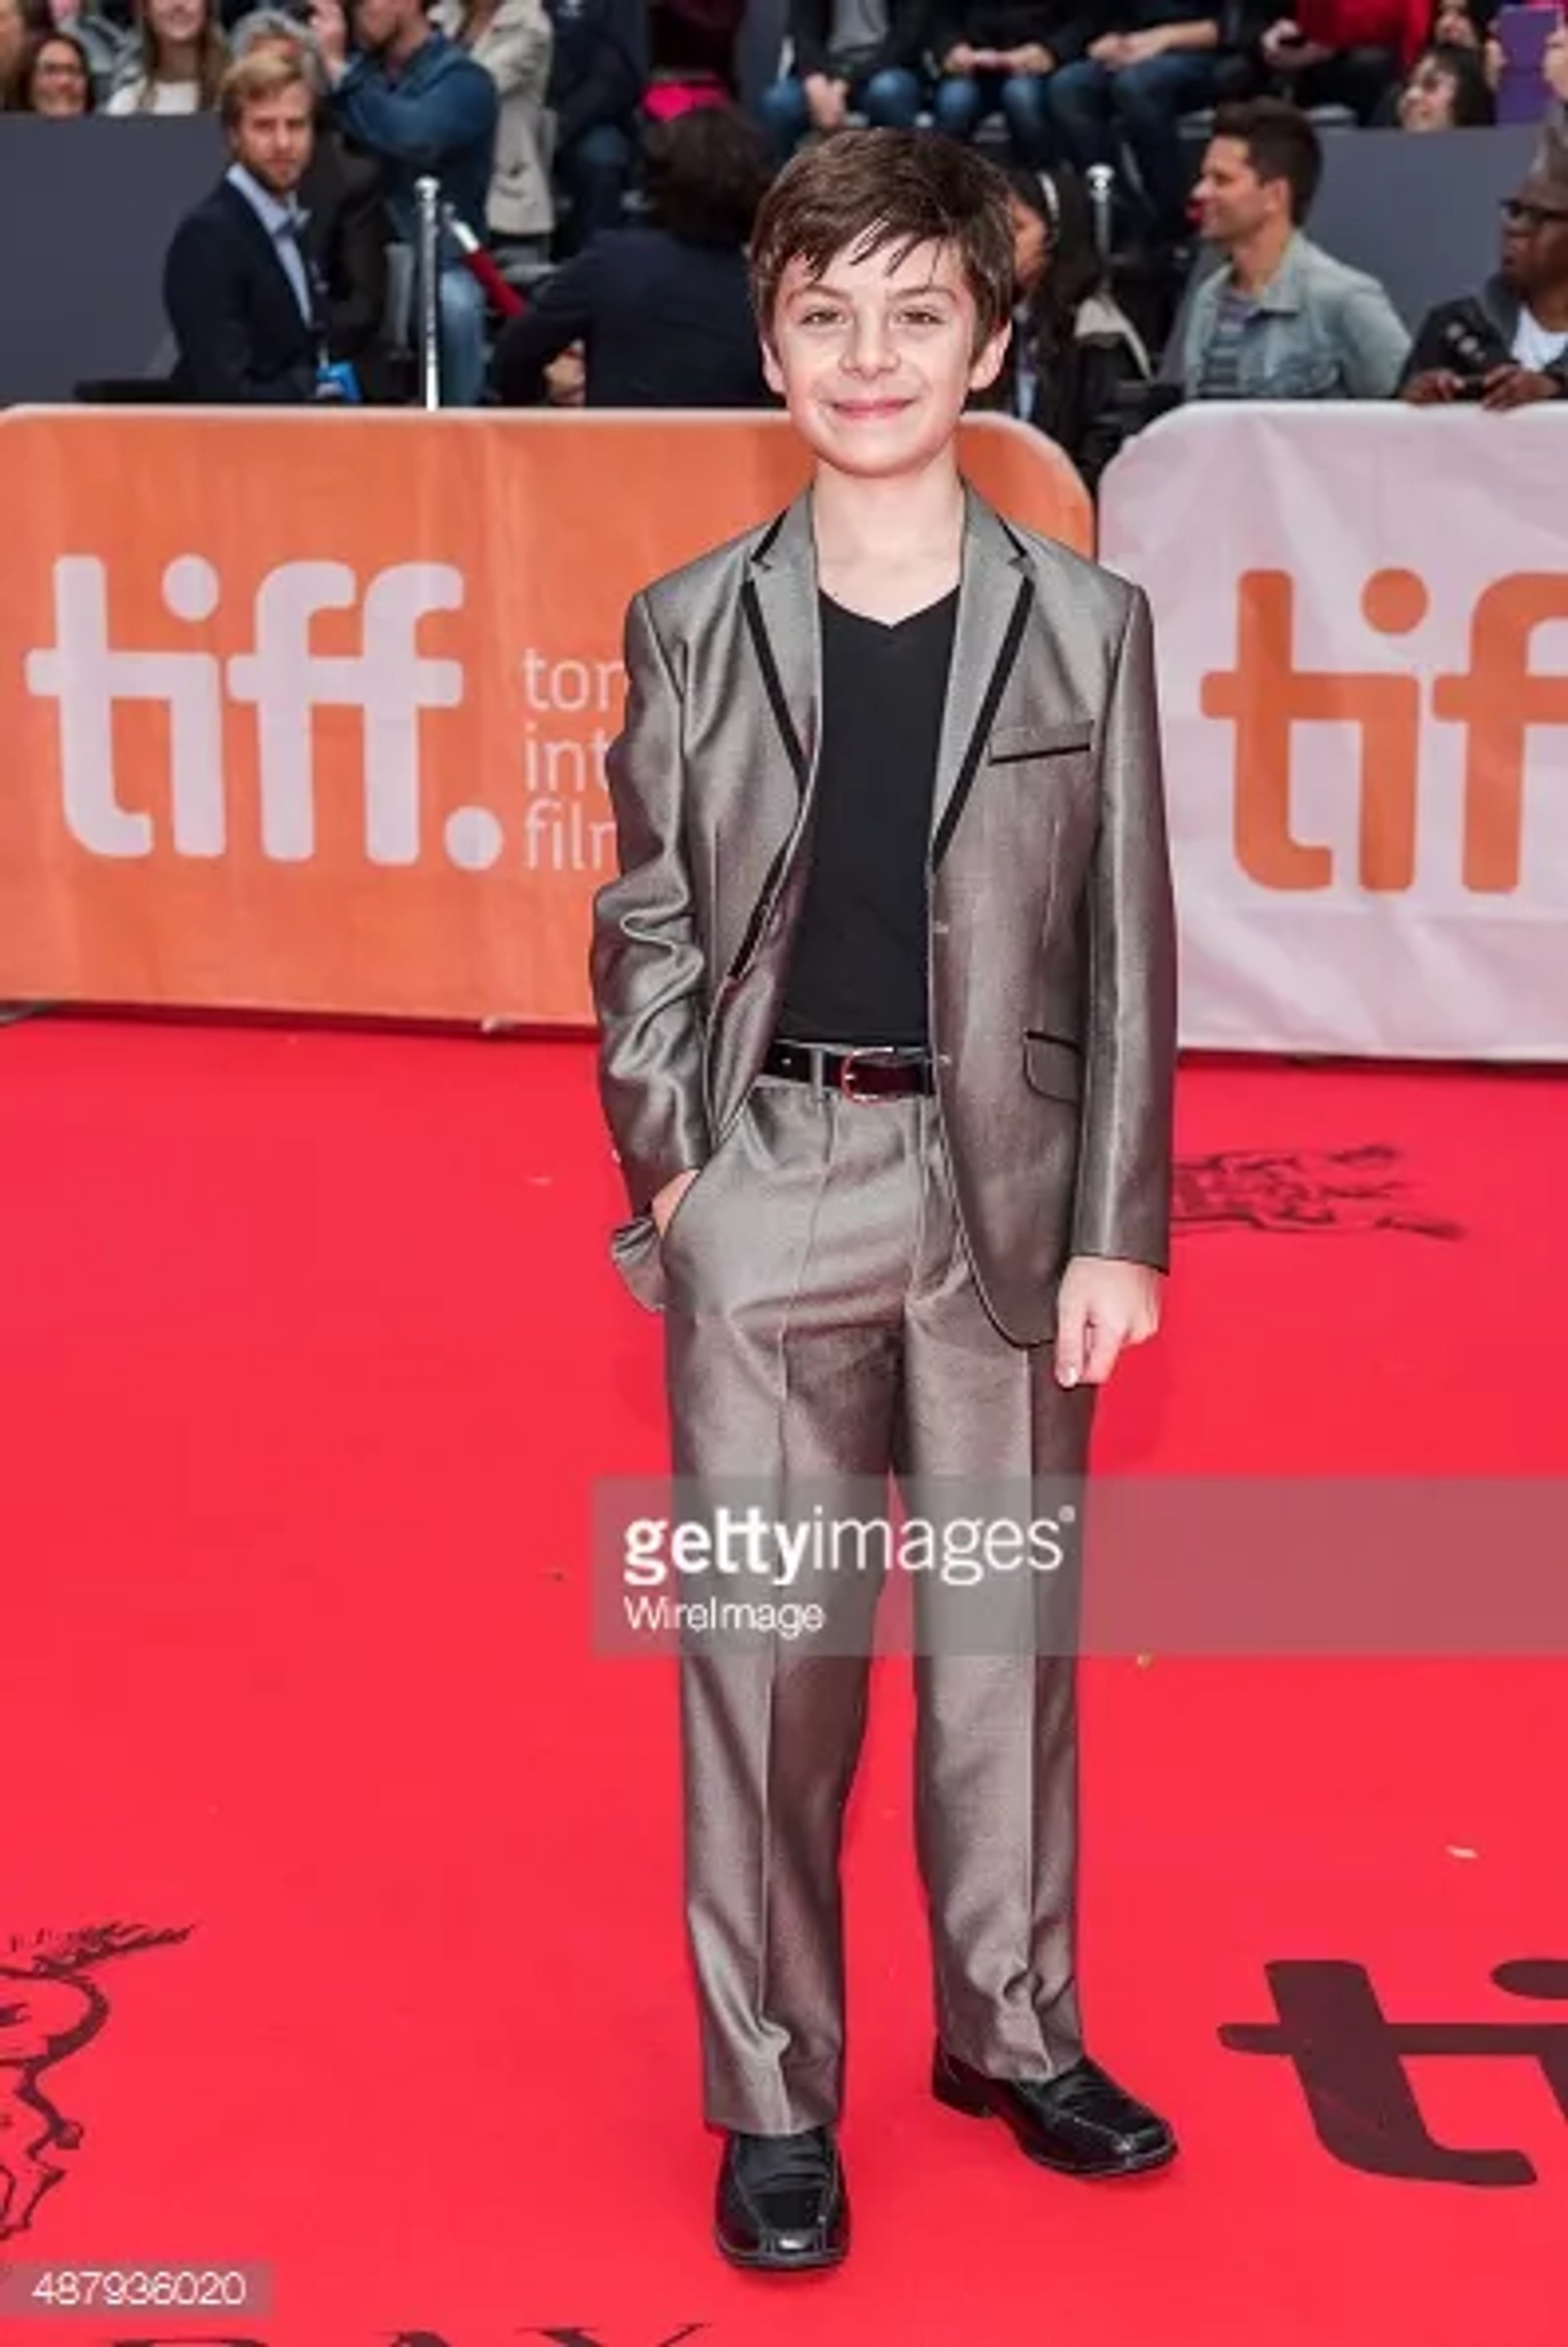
{"type": "Point", "coordinates": [938, 930]}
{"type": "Point", "coordinates": [944, 1059]}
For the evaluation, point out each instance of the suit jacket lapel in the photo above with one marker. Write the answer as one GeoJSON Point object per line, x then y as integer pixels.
{"type": "Point", "coordinates": [781, 612]}
{"type": "Point", "coordinates": [265, 245]}
{"type": "Point", "coordinates": [995, 593]}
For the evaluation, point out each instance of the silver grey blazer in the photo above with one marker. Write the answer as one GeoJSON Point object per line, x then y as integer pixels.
{"type": "Point", "coordinates": [1052, 952]}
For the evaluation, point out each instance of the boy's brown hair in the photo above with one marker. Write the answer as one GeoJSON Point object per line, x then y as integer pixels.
{"type": "Point", "coordinates": [861, 192]}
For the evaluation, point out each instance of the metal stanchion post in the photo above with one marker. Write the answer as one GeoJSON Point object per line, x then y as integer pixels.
{"type": "Point", "coordinates": [1100, 180]}
{"type": "Point", "coordinates": [427, 279]}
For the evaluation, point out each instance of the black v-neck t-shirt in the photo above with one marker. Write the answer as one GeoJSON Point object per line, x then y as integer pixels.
{"type": "Point", "coordinates": [858, 972]}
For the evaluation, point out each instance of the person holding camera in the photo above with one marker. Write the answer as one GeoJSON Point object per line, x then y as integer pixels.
{"type": "Point", "coordinates": [1507, 346]}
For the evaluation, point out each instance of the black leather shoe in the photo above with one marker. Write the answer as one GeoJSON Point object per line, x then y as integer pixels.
{"type": "Point", "coordinates": [782, 2205]}
{"type": "Point", "coordinates": [1082, 2123]}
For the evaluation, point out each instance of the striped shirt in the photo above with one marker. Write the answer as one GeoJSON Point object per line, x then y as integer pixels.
{"type": "Point", "coordinates": [1221, 377]}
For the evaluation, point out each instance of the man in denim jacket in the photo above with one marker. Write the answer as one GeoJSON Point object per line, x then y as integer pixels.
{"type": "Point", "coordinates": [1281, 319]}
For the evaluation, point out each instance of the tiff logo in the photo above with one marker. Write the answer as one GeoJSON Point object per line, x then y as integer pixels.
{"type": "Point", "coordinates": [88, 677]}
{"type": "Point", "coordinates": [1498, 698]}
{"type": "Point", "coordinates": [570, 2334]}
{"type": "Point", "coordinates": [1352, 2059]}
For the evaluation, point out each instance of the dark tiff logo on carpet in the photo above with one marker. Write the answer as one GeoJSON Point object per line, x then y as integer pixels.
{"type": "Point", "coordinates": [1350, 2059]}
{"type": "Point", "coordinates": [566, 2334]}
{"type": "Point", "coordinates": [1302, 1190]}
{"type": "Point", "coordinates": [51, 2005]}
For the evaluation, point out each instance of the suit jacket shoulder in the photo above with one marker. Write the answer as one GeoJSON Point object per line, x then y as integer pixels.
{"type": "Point", "coordinates": [224, 224]}
{"type": "Point", "coordinates": [1062, 575]}
{"type": "Point", "coordinates": [678, 595]}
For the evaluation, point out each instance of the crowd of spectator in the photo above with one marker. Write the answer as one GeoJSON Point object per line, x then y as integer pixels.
{"type": "Point", "coordinates": [599, 152]}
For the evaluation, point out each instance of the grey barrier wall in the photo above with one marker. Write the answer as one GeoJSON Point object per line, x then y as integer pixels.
{"type": "Point", "coordinates": [86, 212]}
{"type": "Point", "coordinates": [1419, 213]}
{"type": "Point", "coordinates": [88, 209]}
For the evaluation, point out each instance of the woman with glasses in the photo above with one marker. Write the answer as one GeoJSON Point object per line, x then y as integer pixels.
{"type": "Point", "coordinates": [55, 78]}
{"type": "Point", "coordinates": [1507, 346]}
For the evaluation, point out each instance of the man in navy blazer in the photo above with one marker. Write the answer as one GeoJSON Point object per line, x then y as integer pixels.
{"type": "Point", "coordinates": [237, 286]}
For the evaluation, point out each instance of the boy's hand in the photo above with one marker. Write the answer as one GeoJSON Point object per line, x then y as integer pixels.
{"type": "Point", "coordinates": [1102, 1306]}
{"type": "Point", "coordinates": [663, 1203]}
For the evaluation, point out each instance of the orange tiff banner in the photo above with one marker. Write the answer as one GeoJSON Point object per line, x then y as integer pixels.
{"type": "Point", "coordinates": [309, 712]}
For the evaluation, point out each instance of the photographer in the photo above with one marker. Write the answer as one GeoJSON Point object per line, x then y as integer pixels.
{"type": "Point", "coordinates": [1507, 345]}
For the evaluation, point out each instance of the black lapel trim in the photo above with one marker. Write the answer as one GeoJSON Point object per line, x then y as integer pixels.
{"type": "Point", "coordinates": [771, 684]}
{"type": "Point", "coordinates": [765, 546]}
{"type": "Point", "coordinates": [986, 719]}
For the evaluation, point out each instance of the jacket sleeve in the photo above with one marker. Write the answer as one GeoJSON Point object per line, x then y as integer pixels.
{"type": "Point", "coordinates": [647, 965]}
{"type": "Point", "coordinates": [457, 111]}
{"type": "Point", "coordinates": [808, 22]}
{"type": "Point", "coordinates": [561, 312]}
{"type": "Point", "coordinates": [949, 27]}
{"type": "Point", "coordinates": [1374, 342]}
{"type": "Point", "coordinates": [910, 35]}
{"type": "Point", "coordinates": [1126, 1170]}
{"type": "Point", "coordinates": [1430, 351]}
{"type": "Point", "coordinates": [357, 272]}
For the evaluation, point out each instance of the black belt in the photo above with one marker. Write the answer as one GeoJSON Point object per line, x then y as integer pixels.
{"type": "Point", "coordinates": [879, 1073]}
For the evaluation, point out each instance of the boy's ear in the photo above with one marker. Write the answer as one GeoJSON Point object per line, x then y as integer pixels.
{"type": "Point", "coordinates": [987, 365]}
{"type": "Point", "coordinates": [772, 373]}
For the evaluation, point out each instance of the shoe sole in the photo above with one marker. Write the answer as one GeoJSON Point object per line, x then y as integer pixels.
{"type": "Point", "coordinates": [758, 2262]}
{"type": "Point", "coordinates": [1139, 2163]}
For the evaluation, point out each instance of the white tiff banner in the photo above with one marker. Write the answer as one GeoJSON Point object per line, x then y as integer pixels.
{"type": "Point", "coordinates": [1362, 621]}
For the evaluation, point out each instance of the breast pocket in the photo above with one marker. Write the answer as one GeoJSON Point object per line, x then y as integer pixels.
{"type": "Point", "coordinates": [1016, 746]}
{"type": "Point", "coordinates": [1302, 374]}
{"type": "Point", "coordinates": [1053, 1066]}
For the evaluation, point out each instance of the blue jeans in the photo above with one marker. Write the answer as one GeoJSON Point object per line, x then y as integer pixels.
{"type": "Point", "coordinates": [462, 348]}
{"type": "Point", "coordinates": [1096, 111]}
{"type": "Point", "coordinates": [890, 100]}
{"type": "Point", "coordinates": [596, 172]}
{"type": "Point", "coordinates": [963, 102]}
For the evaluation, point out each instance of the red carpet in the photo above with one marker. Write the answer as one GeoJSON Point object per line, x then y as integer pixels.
{"type": "Point", "coordinates": [310, 1354]}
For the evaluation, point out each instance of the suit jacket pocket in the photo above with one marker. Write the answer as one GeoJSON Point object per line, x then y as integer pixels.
{"type": "Point", "coordinates": [1012, 744]}
{"type": "Point", "coordinates": [1054, 1067]}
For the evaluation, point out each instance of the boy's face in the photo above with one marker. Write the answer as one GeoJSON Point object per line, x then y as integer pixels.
{"type": "Point", "coordinates": [876, 362]}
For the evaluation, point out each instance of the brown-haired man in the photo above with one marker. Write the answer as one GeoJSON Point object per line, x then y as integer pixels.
{"type": "Point", "coordinates": [237, 286]}
{"type": "Point", "coordinates": [1282, 319]}
{"type": "Point", "coordinates": [886, 985]}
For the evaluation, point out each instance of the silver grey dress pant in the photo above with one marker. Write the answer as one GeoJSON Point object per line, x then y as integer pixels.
{"type": "Point", "coordinates": [821, 1322]}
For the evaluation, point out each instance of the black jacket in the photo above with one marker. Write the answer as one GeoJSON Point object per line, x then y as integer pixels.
{"type": "Point", "coordinates": [598, 66]}
{"type": "Point", "coordinates": [908, 37]}
{"type": "Point", "coordinates": [1058, 26]}
{"type": "Point", "coordinates": [346, 236]}
{"type": "Point", "coordinates": [1147, 16]}
{"type": "Point", "coordinates": [241, 338]}
{"type": "Point", "coordinates": [664, 323]}
{"type": "Point", "coordinates": [1471, 336]}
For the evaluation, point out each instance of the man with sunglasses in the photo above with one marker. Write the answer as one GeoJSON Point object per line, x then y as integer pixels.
{"type": "Point", "coordinates": [1507, 346]}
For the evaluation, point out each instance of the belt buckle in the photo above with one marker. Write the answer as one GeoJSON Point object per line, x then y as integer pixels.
{"type": "Point", "coordinates": [848, 1082]}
